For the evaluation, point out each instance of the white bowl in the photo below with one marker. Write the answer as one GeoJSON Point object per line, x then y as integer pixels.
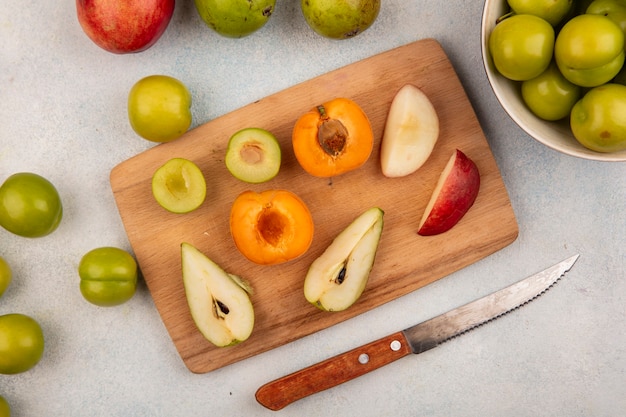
{"type": "Point", "coordinates": [556, 135]}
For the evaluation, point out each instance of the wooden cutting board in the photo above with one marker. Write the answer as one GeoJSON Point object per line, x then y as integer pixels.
{"type": "Point", "coordinates": [405, 261]}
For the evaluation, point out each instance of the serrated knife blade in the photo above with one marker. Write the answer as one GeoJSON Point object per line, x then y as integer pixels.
{"type": "Point", "coordinates": [416, 339]}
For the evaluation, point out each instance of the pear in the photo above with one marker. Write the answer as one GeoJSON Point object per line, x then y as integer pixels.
{"type": "Point", "coordinates": [338, 277]}
{"type": "Point", "coordinates": [235, 18]}
{"type": "Point", "coordinates": [219, 302]}
{"type": "Point", "coordinates": [340, 19]}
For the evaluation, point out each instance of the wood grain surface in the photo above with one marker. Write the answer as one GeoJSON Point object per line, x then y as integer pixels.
{"type": "Point", "coordinates": [404, 262]}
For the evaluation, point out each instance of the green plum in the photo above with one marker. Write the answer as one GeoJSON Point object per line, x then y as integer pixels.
{"type": "Point", "coordinates": [598, 120]}
{"type": "Point", "coordinates": [108, 276]}
{"type": "Point", "coordinates": [5, 275]}
{"type": "Point", "coordinates": [620, 78]}
{"type": "Point", "coordinates": [521, 46]}
{"type": "Point", "coordinates": [5, 409]}
{"type": "Point", "coordinates": [553, 11]}
{"type": "Point", "coordinates": [21, 343]}
{"type": "Point", "coordinates": [30, 205]}
{"type": "Point", "coordinates": [550, 96]}
{"type": "Point", "coordinates": [340, 19]}
{"type": "Point", "coordinates": [613, 9]}
{"type": "Point", "coordinates": [235, 18]}
{"type": "Point", "coordinates": [179, 186]}
{"type": "Point", "coordinates": [589, 50]}
{"type": "Point", "coordinates": [159, 108]}
{"type": "Point", "coordinates": [253, 155]}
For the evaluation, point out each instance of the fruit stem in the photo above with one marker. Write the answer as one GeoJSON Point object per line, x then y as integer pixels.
{"type": "Point", "coordinates": [322, 111]}
{"type": "Point", "coordinates": [505, 16]}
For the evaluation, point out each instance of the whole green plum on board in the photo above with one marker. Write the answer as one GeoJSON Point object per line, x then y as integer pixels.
{"type": "Point", "coordinates": [30, 205]}
{"type": "Point", "coordinates": [108, 276]}
{"type": "Point", "coordinates": [235, 18]}
{"type": "Point", "coordinates": [21, 343]}
{"type": "Point", "coordinates": [340, 19]}
{"type": "Point", "coordinates": [598, 120]}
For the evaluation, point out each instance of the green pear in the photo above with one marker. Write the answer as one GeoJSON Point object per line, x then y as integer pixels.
{"type": "Point", "coordinates": [235, 18]}
{"type": "Point", "coordinates": [340, 19]}
{"type": "Point", "coordinates": [338, 277]}
{"type": "Point", "coordinates": [219, 302]}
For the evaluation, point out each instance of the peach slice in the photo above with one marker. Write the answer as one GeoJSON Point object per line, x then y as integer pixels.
{"type": "Point", "coordinates": [454, 194]}
{"type": "Point", "coordinates": [411, 132]}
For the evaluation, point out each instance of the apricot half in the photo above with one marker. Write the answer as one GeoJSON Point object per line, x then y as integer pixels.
{"type": "Point", "coordinates": [271, 227]}
{"type": "Point", "coordinates": [333, 138]}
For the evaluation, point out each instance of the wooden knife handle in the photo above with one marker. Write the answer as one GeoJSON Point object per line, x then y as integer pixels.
{"type": "Point", "coordinates": [281, 392]}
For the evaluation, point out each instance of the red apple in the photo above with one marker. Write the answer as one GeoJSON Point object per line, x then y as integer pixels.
{"type": "Point", "coordinates": [124, 26]}
{"type": "Point", "coordinates": [454, 194]}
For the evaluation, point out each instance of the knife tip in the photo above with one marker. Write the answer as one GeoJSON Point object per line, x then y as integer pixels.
{"type": "Point", "coordinates": [569, 262]}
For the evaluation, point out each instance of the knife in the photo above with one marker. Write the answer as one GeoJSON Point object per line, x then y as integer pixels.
{"type": "Point", "coordinates": [281, 392]}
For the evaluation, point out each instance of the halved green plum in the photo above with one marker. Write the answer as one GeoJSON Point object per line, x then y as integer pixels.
{"type": "Point", "coordinates": [253, 155]}
{"type": "Point", "coordinates": [179, 186]}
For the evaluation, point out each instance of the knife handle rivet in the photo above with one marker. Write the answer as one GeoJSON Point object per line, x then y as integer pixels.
{"type": "Point", "coordinates": [395, 345]}
{"type": "Point", "coordinates": [364, 358]}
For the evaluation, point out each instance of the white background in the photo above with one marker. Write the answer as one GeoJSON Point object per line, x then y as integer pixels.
{"type": "Point", "coordinates": [63, 116]}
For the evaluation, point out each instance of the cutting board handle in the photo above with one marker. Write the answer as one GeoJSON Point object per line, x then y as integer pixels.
{"type": "Point", "coordinates": [281, 392]}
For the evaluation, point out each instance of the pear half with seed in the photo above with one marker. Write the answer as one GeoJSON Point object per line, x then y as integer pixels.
{"type": "Point", "coordinates": [219, 302]}
{"type": "Point", "coordinates": [338, 277]}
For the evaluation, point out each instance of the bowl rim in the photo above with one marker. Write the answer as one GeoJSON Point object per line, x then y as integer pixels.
{"type": "Point", "coordinates": [503, 87]}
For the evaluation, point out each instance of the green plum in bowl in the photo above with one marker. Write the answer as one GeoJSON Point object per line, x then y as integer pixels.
{"type": "Point", "coordinates": [557, 134]}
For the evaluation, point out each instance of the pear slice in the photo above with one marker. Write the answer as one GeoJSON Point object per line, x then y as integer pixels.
{"type": "Point", "coordinates": [338, 277]}
{"type": "Point", "coordinates": [219, 302]}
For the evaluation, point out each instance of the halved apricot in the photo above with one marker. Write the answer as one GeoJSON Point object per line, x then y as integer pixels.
{"type": "Point", "coordinates": [333, 138]}
{"type": "Point", "coordinates": [271, 227]}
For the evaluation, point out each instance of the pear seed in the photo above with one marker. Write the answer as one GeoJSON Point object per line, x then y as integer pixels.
{"type": "Point", "coordinates": [220, 309]}
{"type": "Point", "coordinates": [341, 276]}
